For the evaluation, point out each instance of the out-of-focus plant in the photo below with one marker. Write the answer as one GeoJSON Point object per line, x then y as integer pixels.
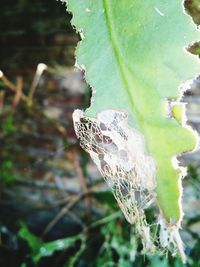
{"type": "Point", "coordinates": [193, 7]}
{"type": "Point", "coordinates": [7, 126]}
{"type": "Point", "coordinates": [106, 242]}
{"type": "Point", "coordinates": [109, 233]}
{"type": "Point", "coordinates": [7, 175]}
{"type": "Point", "coordinates": [40, 249]}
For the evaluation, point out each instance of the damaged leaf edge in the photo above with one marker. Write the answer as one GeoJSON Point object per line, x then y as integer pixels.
{"type": "Point", "coordinates": [174, 235]}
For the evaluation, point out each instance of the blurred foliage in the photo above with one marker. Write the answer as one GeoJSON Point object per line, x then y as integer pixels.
{"type": "Point", "coordinates": [193, 8]}
{"type": "Point", "coordinates": [118, 246]}
{"type": "Point", "coordinates": [40, 249]}
{"type": "Point", "coordinates": [1, 84]}
{"type": "Point", "coordinates": [193, 173]}
{"type": "Point", "coordinates": [8, 127]}
{"type": "Point", "coordinates": [7, 175]}
{"type": "Point", "coordinates": [194, 48]}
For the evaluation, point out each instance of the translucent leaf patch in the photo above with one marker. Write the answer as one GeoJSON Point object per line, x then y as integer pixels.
{"type": "Point", "coordinates": [119, 153]}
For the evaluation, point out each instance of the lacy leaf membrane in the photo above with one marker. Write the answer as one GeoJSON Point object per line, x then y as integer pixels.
{"type": "Point", "coordinates": [119, 153]}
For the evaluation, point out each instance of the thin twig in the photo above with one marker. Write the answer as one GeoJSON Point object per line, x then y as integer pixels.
{"type": "Point", "coordinates": [72, 156]}
{"type": "Point", "coordinates": [8, 84]}
{"type": "Point", "coordinates": [2, 95]}
{"type": "Point", "coordinates": [76, 218]}
{"type": "Point", "coordinates": [18, 93]}
{"type": "Point", "coordinates": [39, 71]}
{"type": "Point", "coordinates": [65, 210]}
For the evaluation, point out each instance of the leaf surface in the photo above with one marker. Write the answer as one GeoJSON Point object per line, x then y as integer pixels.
{"type": "Point", "coordinates": [135, 58]}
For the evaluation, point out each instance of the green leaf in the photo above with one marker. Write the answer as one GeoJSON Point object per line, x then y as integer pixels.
{"type": "Point", "coordinates": [40, 249]}
{"type": "Point", "coordinates": [47, 249]}
{"type": "Point", "coordinates": [134, 57]}
{"type": "Point", "coordinates": [73, 259]}
{"type": "Point", "coordinates": [33, 241]}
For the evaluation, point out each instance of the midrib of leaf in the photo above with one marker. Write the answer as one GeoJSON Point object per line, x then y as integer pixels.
{"type": "Point", "coordinates": [122, 69]}
{"type": "Point", "coordinates": [117, 54]}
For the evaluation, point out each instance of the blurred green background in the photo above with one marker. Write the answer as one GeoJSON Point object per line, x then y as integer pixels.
{"type": "Point", "coordinates": [55, 209]}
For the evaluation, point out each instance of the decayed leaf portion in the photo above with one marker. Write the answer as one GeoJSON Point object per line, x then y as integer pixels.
{"type": "Point", "coordinates": [133, 54]}
{"type": "Point", "coordinates": [119, 153]}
